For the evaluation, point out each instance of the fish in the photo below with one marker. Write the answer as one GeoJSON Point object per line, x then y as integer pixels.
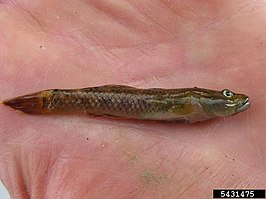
{"type": "Point", "coordinates": [187, 105]}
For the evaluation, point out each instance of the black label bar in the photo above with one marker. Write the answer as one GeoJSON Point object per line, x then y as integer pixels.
{"type": "Point", "coordinates": [239, 193]}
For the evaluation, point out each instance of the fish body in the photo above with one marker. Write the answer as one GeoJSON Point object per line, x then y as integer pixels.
{"type": "Point", "coordinates": [186, 104]}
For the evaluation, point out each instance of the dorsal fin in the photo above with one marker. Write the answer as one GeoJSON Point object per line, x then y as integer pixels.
{"type": "Point", "coordinates": [116, 86]}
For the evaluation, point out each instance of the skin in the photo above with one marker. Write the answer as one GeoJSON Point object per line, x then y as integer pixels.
{"type": "Point", "coordinates": [210, 44]}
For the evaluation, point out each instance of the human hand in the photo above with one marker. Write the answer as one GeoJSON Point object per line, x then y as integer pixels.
{"type": "Point", "coordinates": [72, 44]}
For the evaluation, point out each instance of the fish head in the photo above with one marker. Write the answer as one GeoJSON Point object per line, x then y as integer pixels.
{"type": "Point", "coordinates": [224, 103]}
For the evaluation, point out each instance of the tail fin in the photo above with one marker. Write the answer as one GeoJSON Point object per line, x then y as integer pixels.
{"type": "Point", "coordinates": [31, 103]}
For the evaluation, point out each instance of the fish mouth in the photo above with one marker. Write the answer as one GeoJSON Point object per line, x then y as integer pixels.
{"type": "Point", "coordinates": [244, 105]}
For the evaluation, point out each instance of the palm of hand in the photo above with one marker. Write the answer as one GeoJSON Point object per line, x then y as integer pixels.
{"type": "Point", "coordinates": [146, 44]}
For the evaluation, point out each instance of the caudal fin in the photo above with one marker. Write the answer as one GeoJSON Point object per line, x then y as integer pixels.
{"type": "Point", "coordinates": [31, 103]}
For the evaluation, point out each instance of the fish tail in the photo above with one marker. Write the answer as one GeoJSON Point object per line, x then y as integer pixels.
{"type": "Point", "coordinates": [32, 103]}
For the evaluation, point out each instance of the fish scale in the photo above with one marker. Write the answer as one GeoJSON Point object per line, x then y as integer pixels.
{"type": "Point", "coordinates": [98, 102]}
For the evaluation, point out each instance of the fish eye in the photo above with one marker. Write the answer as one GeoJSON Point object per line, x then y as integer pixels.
{"type": "Point", "coordinates": [227, 93]}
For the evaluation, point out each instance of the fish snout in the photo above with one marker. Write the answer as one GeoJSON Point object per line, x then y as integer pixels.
{"type": "Point", "coordinates": [244, 105]}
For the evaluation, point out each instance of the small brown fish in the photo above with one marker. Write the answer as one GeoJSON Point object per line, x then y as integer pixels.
{"type": "Point", "coordinates": [187, 104]}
